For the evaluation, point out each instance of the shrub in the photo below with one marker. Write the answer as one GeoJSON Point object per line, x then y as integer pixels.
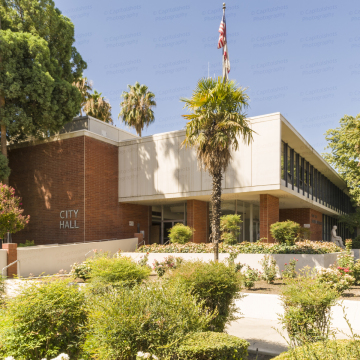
{"type": "Point", "coordinates": [303, 247]}
{"type": "Point", "coordinates": [356, 243]}
{"type": "Point", "coordinates": [307, 305]}
{"type": "Point", "coordinates": [2, 290]}
{"type": "Point", "coordinates": [250, 276]}
{"type": "Point", "coordinates": [270, 269]}
{"type": "Point", "coordinates": [119, 270]}
{"type": "Point", "coordinates": [214, 283]}
{"type": "Point", "coordinates": [180, 234]}
{"type": "Point", "coordinates": [212, 346]}
{"type": "Point", "coordinates": [285, 231]}
{"type": "Point", "coordinates": [169, 263]}
{"type": "Point", "coordinates": [27, 243]}
{"type": "Point", "coordinates": [336, 278]}
{"type": "Point", "coordinates": [289, 269]}
{"type": "Point", "coordinates": [151, 318]}
{"type": "Point", "coordinates": [230, 227]}
{"type": "Point", "coordinates": [329, 350]}
{"type": "Point", "coordinates": [82, 270]}
{"type": "Point", "coordinates": [44, 320]}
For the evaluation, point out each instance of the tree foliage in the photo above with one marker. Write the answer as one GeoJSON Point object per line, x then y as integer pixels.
{"type": "Point", "coordinates": [84, 86]}
{"type": "Point", "coordinates": [343, 143]}
{"type": "Point", "coordinates": [39, 65]}
{"type": "Point", "coordinates": [98, 107]}
{"type": "Point", "coordinates": [11, 215]}
{"type": "Point", "coordinates": [4, 167]}
{"type": "Point", "coordinates": [137, 107]}
{"type": "Point", "coordinates": [215, 124]}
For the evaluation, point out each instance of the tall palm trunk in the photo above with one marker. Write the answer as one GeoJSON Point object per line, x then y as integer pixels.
{"type": "Point", "coordinates": [3, 126]}
{"type": "Point", "coordinates": [216, 211]}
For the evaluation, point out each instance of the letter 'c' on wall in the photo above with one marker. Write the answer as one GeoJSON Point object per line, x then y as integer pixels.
{"type": "Point", "coordinates": [61, 213]}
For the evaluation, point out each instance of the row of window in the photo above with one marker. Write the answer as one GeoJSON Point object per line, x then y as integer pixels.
{"type": "Point", "coordinates": [301, 176]}
{"type": "Point", "coordinates": [328, 223]}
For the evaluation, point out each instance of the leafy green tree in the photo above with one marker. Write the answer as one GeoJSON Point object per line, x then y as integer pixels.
{"type": "Point", "coordinates": [98, 107]}
{"type": "Point", "coordinates": [343, 143]}
{"type": "Point", "coordinates": [215, 124]}
{"type": "Point", "coordinates": [230, 228]}
{"type": "Point", "coordinates": [136, 107]}
{"type": "Point", "coordinates": [4, 167]}
{"type": "Point", "coordinates": [38, 66]}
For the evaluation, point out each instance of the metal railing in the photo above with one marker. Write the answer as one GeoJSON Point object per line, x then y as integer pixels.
{"type": "Point", "coordinates": [93, 250]}
{"type": "Point", "coordinates": [18, 268]}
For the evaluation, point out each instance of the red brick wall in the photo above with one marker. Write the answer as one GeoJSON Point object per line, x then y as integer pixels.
{"type": "Point", "coordinates": [305, 216]}
{"type": "Point", "coordinates": [197, 218]}
{"type": "Point", "coordinates": [81, 174]}
{"type": "Point", "coordinates": [49, 178]}
{"type": "Point", "coordinates": [11, 257]}
{"type": "Point", "coordinates": [269, 214]}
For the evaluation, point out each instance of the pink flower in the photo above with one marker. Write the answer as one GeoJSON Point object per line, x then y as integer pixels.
{"type": "Point", "coordinates": [285, 263]}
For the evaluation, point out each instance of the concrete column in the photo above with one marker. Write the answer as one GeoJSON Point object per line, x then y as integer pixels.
{"type": "Point", "coordinates": [269, 214]}
{"type": "Point", "coordinates": [11, 257]}
{"type": "Point", "coordinates": [197, 218]}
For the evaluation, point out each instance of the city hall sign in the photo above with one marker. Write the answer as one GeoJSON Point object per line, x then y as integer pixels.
{"type": "Point", "coordinates": [69, 217]}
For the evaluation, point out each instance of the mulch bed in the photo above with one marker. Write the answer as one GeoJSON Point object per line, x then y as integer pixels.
{"type": "Point", "coordinates": [262, 287]}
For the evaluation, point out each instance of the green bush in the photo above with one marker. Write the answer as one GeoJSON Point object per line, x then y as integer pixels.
{"type": "Point", "coordinates": [27, 243]}
{"type": "Point", "coordinates": [356, 243]}
{"type": "Point", "coordinates": [151, 318]}
{"type": "Point", "coordinates": [214, 283]}
{"type": "Point", "coordinates": [45, 319]}
{"type": "Point", "coordinates": [307, 305]}
{"type": "Point", "coordinates": [212, 346]}
{"type": "Point", "coordinates": [270, 269]}
{"type": "Point", "coordinates": [230, 227]}
{"type": "Point", "coordinates": [180, 234]}
{"type": "Point", "coordinates": [121, 270]}
{"type": "Point", "coordinates": [285, 231]}
{"type": "Point", "coordinates": [329, 350]}
{"type": "Point", "coordinates": [81, 271]}
{"type": "Point", "coordinates": [2, 290]}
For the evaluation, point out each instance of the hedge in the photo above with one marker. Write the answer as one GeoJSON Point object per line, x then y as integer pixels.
{"type": "Point", "coordinates": [212, 345]}
{"type": "Point", "coordinates": [333, 349]}
{"type": "Point", "coordinates": [303, 247]}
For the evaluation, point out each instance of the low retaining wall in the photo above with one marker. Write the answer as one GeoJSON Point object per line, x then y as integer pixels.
{"type": "Point", "coordinates": [356, 253]}
{"type": "Point", "coordinates": [51, 259]}
{"type": "Point", "coordinates": [253, 260]}
{"type": "Point", "coordinates": [267, 306]}
{"type": "Point", "coordinates": [3, 259]}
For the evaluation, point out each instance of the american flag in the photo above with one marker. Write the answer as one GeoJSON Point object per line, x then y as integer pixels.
{"type": "Point", "coordinates": [222, 43]}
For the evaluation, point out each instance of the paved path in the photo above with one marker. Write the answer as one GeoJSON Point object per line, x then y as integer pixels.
{"type": "Point", "coordinates": [262, 335]}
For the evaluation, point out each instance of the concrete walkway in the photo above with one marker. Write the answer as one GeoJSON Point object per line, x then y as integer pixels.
{"type": "Point", "coordinates": [262, 335]}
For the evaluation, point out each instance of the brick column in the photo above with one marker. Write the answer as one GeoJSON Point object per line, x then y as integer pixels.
{"type": "Point", "coordinates": [269, 214]}
{"type": "Point", "coordinates": [11, 257]}
{"type": "Point", "coordinates": [198, 218]}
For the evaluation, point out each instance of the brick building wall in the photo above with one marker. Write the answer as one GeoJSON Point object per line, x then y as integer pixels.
{"type": "Point", "coordinates": [269, 214]}
{"type": "Point", "coordinates": [305, 216]}
{"type": "Point", "coordinates": [72, 180]}
{"type": "Point", "coordinates": [197, 218]}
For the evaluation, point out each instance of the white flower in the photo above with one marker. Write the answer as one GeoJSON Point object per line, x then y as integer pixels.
{"type": "Point", "coordinates": [62, 357]}
{"type": "Point", "coordinates": [155, 357]}
{"type": "Point", "coordinates": [140, 354]}
{"type": "Point", "coordinates": [10, 358]}
{"type": "Point", "coordinates": [147, 355]}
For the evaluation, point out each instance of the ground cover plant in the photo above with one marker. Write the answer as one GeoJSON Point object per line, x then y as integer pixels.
{"type": "Point", "coordinates": [301, 247]}
{"type": "Point", "coordinates": [216, 284]}
{"type": "Point", "coordinates": [45, 319]}
{"type": "Point", "coordinates": [270, 269]}
{"type": "Point", "coordinates": [152, 318]}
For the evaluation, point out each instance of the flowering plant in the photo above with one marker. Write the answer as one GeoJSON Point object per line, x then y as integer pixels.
{"type": "Point", "coordinates": [250, 276]}
{"type": "Point", "coordinates": [60, 357]}
{"type": "Point", "coordinates": [301, 247]}
{"type": "Point", "coordinates": [140, 355]}
{"type": "Point", "coordinates": [289, 269]}
{"type": "Point", "coordinates": [82, 270]}
{"type": "Point", "coordinates": [336, 278]}
{"type": "Point", "coordinates": [169, 263]}
{"type": "Point", "coordinates": [11, 215]}
{"type": "Point", "coordinates": [270, 268]}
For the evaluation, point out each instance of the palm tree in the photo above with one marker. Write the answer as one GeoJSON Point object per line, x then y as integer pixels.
{"type": "Point", "coordinates": [136, 108]}
{"type": "Point", "coordinates": [215, 124]}
{"type": "Point", "coordinates": [84, 86]}
{"type": "Point", "coordinates": [98, 107]}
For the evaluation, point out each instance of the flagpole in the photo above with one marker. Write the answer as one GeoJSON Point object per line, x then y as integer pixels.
{"type": "Point", "coordinates": [223, 60]}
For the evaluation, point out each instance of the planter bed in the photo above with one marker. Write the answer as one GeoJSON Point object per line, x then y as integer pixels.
{"type": "Point", "coordinates": [253, 260]}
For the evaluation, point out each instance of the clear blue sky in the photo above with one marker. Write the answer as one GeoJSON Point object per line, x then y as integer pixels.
{"type": "Point", "coordinates": [297, 58]}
